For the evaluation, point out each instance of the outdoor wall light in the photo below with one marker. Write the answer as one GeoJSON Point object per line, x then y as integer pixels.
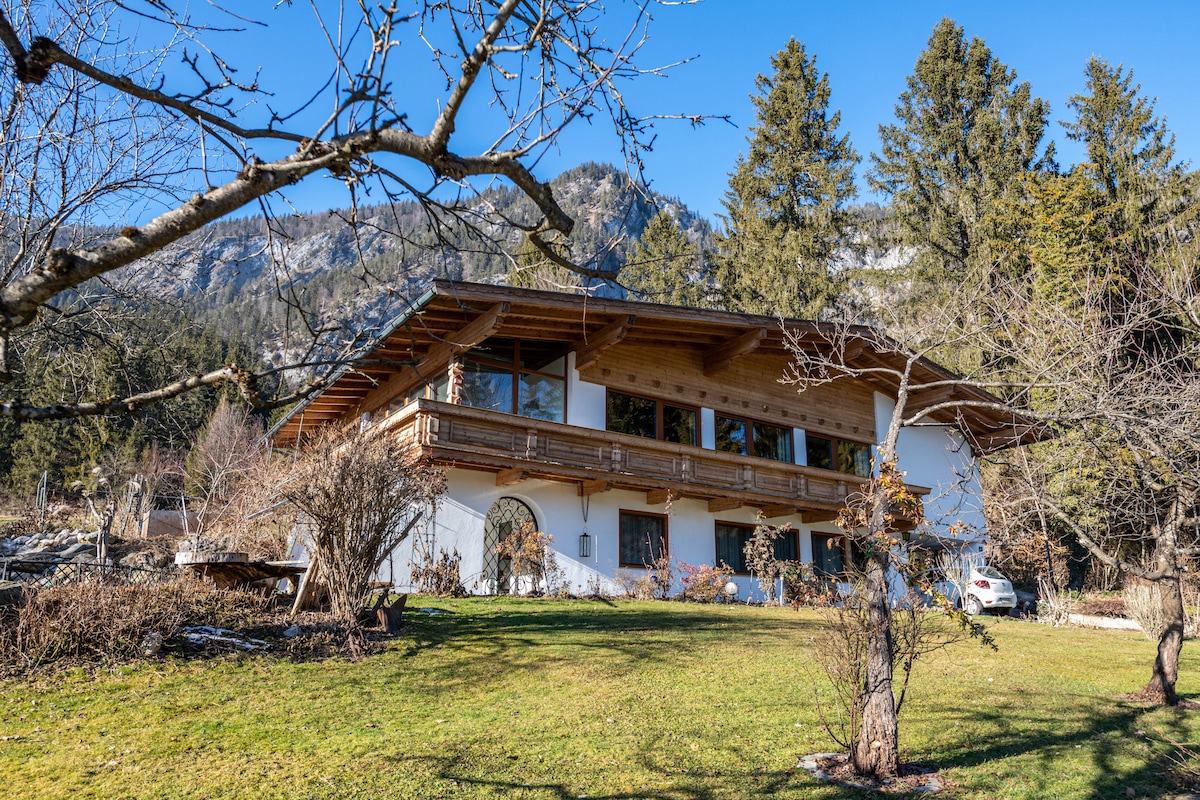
{"type": "Point", "coordinates": [585, 545]}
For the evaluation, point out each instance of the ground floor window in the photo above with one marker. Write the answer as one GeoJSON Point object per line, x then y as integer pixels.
{"type": "Point", "coordinates": [829, 558]}
{"type": "Point", "coordinates": [731, 545]}
{"type": "Point", "coordinates": [643, 538]}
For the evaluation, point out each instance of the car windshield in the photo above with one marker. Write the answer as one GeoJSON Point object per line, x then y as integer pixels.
{"type": "Point", "coordinates": [991, 572]}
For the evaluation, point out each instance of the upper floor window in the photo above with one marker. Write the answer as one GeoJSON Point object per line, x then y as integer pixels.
{"type": "Point", "coordinates": [749, 438]}
{"type": "Point", "coordinates": [653, 419]}
{"type": "Point", "coordinates": [436, 389]}
{"type": "Point", "coordinates": [517, 377]}
{"type": "Point", "coordinates": [731, 545]}
{"type": "Point", "coordinates": [853, 458]}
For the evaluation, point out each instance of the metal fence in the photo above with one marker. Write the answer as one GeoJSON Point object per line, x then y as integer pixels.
{"type": "Point", "coordinates": [61, 572]}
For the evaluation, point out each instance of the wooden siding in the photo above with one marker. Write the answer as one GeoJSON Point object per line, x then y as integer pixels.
{"type": "Point", "coordinates": [749, 387]}
{"type": "Point", "coordinates": [510, 445]}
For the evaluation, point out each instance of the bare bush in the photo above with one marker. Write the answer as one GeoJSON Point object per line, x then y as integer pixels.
{"type": "Point", "coordinates": [440, 577]}
{"type": "Point", "coordinates": [532, 561]}
{"type": "Point", "coordinates": [635, 585]}
{"type": "Point", "coordinates": [760, 555]}
{"type": "Point", "coordinates": [1143, 604]}
{"type": "Point", "coordinates": [842, 650]}
{"type": "Point", "coordinates": [1054, 606]}
{"type": "Point", "coordinates": [364, 492]}
{"type": "Point", "coordinates": [704, 583]}
{"type": "Point", "coordinates": [100, 622]}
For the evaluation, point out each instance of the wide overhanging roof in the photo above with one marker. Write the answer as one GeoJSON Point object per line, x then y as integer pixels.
{"type": "Point", "coordinates": [453, 316]}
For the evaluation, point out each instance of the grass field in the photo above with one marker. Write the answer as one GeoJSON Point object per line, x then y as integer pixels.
{"type": "Point", "coordinates": [545, 699]}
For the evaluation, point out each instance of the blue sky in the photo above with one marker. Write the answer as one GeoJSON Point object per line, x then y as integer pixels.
{"type": "Point", "coordinates": [867, 48]}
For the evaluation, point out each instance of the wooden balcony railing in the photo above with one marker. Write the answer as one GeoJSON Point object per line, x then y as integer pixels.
{"type": "Point", "coordinates": [519, 447]}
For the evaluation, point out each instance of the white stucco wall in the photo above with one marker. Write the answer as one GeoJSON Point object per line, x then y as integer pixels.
{"type": "Point", "coordinates": [459, 524]}
{"type": "Point", "coordinates": [585, 401]}
{"type": "Point", "coordinates": [937, 457]}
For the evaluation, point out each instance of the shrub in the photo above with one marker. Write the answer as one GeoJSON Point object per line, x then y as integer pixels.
{"type": "Point", "coordinates": [1054, 606]}
{"type": "Point", "coordinates": [530, 556]}
{"type": "Point", "coordinates": [662, 575]}
{"type": "Point", "coordinates": [635, 585]}
{"type": "Point", "coordinates": [802, 587]}
{"type": "Point", "coordinates": [760, 555]}
{"type": "Point", "coordinates": [439, 577]}
{"type": "Point", "coordinates": [704, 583]}
{"type": "Point", "coordinates": [98, 622]}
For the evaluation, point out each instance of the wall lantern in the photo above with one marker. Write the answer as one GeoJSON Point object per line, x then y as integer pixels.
{"type": "Point", "coordinates": [585, 545]}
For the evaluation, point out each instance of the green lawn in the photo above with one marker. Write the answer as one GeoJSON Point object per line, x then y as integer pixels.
{"type": "Point", "coordinates": [546, 699]}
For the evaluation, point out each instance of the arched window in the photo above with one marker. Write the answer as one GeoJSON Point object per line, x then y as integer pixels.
{"type": "Point", "coordinates": [505, 516]}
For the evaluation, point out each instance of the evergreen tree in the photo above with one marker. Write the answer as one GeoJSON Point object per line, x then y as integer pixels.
{"type": "Point", "coordinates": [966, 133]}
{"type": "Point", "coordinates": [1130, 150]}
{"type": "Point", "coordinates": [786, 209]}
{"type": "Point", "coordinates": [664, 266]}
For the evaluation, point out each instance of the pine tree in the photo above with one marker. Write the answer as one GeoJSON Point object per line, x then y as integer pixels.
{"type": "Point", "coordinates": [786, 209]}
{"type": "Point", "coordinates": [664, 266]}
{"type": "Point", "coordinates": [966, 133]}
{"type": "Point", "coordinates": [1130, 150]}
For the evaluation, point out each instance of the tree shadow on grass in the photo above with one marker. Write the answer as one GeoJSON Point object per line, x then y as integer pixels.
{"type": "Point", "coordinates": [1112, 732]}
{"type": "Point", "coordinates": [634, 635]}
{"type": "Point", "coordinates": [659, 781]}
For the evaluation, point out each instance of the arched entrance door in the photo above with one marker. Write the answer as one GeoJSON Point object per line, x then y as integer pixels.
{"type": "Point", "coordinates": [505, 516]}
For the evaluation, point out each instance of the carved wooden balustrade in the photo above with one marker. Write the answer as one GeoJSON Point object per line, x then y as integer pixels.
{"type": "Point", "coordinates": [516, 448]}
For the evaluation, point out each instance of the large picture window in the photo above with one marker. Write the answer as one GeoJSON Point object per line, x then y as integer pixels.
{"type": "Point", "coordinates": [749, 438]}
{"type": "Point", "coordinates": [731, 545]}
{"type": "Point", "coordinates": [517, 377]}
{"type": "Point", "coordinates": [652, 419]}
{"type": "Point", "coordinates": [643, 538]}
{"type": "Point", "coordinates": [853, 458]}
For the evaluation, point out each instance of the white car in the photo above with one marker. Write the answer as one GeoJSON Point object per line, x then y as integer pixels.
{"type": "Point", "coordinates": [988, 589]}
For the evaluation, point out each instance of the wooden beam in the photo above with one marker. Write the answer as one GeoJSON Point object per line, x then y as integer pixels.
{"type": "Point", "coordinates": [928, 399]}
{"type": "Point", "coordinates": [465, 338]}
{"type": "Point", "coordinates": [656, 497]}
{"type": "Point", "coordinates": [778, 510]}
{"type": "Point", "coordinates": [587, 353]}
{"type": "Point", "coordinates": [723, 504]}
{"type": "Point", "coordinates": [817, 516]}
{"type": "Point", "coordinates": [507, 477]}
{"type": "Point", "coordinates": [587, 488]}
{"type": "Point", "coordinates": [461, 340]}
{"type": "Point", "coordinates": [723, 354]}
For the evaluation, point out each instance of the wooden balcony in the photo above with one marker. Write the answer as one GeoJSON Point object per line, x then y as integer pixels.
{"type": "Point", "coordinates": [517, 448]}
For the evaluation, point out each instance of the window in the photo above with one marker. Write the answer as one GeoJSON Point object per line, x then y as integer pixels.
{"type": "Point", "coordinates": [853, 458]}
{"type": "Point", "coordinates": [436, 389]}
{"type": "Point", "coordinates": [828, 556]}
{"type": "Point", "coordinates": [749, 438]}
{"type": "Point", "coordinates": [652, 419]}
{"type": "Point", "coordinates": [643, 538]}
{"type": "Point", "coordinates": [731, 545]}
{"type": "Point", "coordinates": [517, 377]}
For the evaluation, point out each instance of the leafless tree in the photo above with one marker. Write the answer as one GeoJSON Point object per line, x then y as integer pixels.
{"type": "Point", "coordinates": [1122, 475]}
{"type": "Point", "coordinates": [363, 492]}
{"type": "Point", "coordinates": [902, 364]}
{"type": "Point", "coordinates": [129, 127]}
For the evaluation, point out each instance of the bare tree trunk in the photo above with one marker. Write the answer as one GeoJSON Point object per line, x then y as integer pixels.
{"type": "Point", "coordinates": [877, 752]}
{"type": "Point", "coordinates": [1161, 688]}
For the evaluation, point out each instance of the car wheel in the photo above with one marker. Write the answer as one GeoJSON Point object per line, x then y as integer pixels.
{"type": "Point", "coordinates": [974, 607]}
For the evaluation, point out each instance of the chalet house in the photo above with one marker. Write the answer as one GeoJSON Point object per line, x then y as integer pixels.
{"type": "Point", "coordinates": [620, 427]}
